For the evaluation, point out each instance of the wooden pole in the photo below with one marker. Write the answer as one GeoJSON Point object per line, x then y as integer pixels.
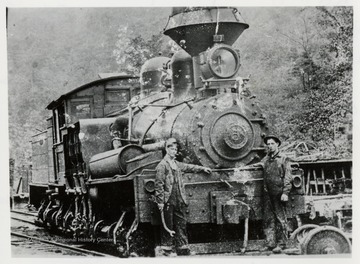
{"type": "Point", "coordinates": [323, 178]}
{"type": "Point", "coordinates": [308, 182]}
{"type": "Point", "coordinates": [315, 182]}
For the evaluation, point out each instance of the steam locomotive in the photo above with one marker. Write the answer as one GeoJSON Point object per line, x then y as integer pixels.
{"type": "Point", "coordinates": [94, 166]}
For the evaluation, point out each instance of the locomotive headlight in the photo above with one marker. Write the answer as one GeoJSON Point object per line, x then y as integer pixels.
{"type": "Point", "coordinates": [222, 61]}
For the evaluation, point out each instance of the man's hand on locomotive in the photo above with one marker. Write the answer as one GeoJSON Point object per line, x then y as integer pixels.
{"type": "Point", "coordinates": [284, 197]}
{"type": "Point", "coordinates": [207, 170]}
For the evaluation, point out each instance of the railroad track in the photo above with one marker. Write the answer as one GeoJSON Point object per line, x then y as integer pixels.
{"type": "Point", "coordinates": [52, 246]}
{"type": "Point", "coordinates": [47, 244]}
{"type": "Point", "coordinates": [26, 239]}
{"type": "Point", "coordinates": [26, 217]}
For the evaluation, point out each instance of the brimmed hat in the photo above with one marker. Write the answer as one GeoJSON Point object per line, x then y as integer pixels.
{"type": "Point", "coordinates": [170, 142]}
{"type": "Point", "coordinates": [276, 139]}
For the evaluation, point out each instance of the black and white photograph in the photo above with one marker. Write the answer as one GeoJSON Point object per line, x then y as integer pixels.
{"type": "Point", "coordinates": [179, 130]}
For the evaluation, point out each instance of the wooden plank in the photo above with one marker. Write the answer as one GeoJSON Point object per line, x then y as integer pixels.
{"type": "Point", "coordinates": [315, 180]}
{"type": "Point", "coordinates": [323, 179]}
{"type": "Point", "coordinates": [342, 173]}
{"type": "Point", "coordinates": [303, 187]}
{"type": "Point", "coordinates": [40, 175]}
{"type": "Point", "coordinates": [308, 182]}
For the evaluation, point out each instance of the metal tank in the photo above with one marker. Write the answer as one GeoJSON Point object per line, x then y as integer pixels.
{"type": "Point", "coordinates": [182, 79]}
{"type": "Point", "coordinates": [152, 75]}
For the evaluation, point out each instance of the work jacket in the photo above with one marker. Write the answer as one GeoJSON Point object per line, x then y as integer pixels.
{"type": "Point", "coordinates": [165, 181]}
{"type": "Point", "coordinates": [277, 174]}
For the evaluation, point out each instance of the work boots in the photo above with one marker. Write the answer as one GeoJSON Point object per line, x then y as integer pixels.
{"type": "Point", "coordinates": [164, 251]}
{"type": "Point", "coordinates": [185, 251]}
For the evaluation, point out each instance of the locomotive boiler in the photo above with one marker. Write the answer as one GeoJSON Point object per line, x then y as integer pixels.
{"type": "Point", "coordinates": [105, 175]}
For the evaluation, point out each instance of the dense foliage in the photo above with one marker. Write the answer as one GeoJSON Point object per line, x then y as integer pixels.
{"type": "Point", "coordinates": [305, 76]}
{"type": "Point", "coordinates": [300, 61]}
{"type": "Point", "coordinates": [327, 108]}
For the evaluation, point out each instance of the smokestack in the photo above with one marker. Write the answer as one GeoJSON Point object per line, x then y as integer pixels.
{"type": "Point", "coordinates": [197, 28]}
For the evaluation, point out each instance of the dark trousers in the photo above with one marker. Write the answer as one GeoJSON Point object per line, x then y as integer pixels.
{"type": "Point", "coordinates": [175, 219]}
{"type": "Point", "coordinates": [275, 221]}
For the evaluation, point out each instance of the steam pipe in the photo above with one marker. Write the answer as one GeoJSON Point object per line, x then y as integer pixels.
{"type": "Point", "coordinates": [162, 113]}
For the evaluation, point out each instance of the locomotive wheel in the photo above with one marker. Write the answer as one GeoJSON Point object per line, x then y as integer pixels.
{"type": "Point", "coordinates": [97, 228]}
{"type": "Point", "coordinates": [49, 216]}
{"type": "Point", "coordinates": [301, 232]}
{"type": "Point", "coordinates": [326, 240]}
{"type": "Point", "coordinates": [53, 219]}
{"type": "Point", "coordinates": [67, 221]}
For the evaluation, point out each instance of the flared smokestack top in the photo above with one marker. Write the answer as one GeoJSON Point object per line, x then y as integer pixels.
{"type": "Point", "coordinates": [193, 28]}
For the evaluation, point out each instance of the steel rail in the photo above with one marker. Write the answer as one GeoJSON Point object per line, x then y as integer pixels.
{"type": "Point", "coordinates": [24, 213]}
{"type": "Point", "coordinates": [23, 220]}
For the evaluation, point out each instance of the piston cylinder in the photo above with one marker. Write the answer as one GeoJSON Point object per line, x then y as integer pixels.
{"type": "Point", "coordinates": [113, 162]}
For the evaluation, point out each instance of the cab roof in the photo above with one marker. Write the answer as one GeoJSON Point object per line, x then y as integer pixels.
{"type": "Point", "coordinates": [104, 77]}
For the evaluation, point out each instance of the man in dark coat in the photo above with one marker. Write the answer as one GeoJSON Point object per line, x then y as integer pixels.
{"type": "Point", "coordinates": [171, 199]}
{"type": "Point", "coordinates": [277, 186]}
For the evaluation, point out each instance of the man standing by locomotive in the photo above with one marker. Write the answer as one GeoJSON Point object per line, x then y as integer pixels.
{"type": "Point", "coordinates": [277, 186]}
{"type": "Point", "coordinates": [171, 199]}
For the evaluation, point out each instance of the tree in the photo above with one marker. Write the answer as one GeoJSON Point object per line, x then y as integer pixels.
{"type": "Point", "coordinates": [132, 53]}
{"type": "Point", "coordinates": [328, 105]}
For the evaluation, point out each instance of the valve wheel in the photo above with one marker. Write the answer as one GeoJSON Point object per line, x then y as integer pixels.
{"type": "Point", "coordinates": [326, 240]}
{"type": "Point", "coordinates": [301, 232]}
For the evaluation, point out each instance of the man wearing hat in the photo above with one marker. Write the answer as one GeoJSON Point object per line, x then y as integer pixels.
{"type": "Point", "coordinates": [277, 186]}
{"type": "Point", "coordinates": [171, 199]}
